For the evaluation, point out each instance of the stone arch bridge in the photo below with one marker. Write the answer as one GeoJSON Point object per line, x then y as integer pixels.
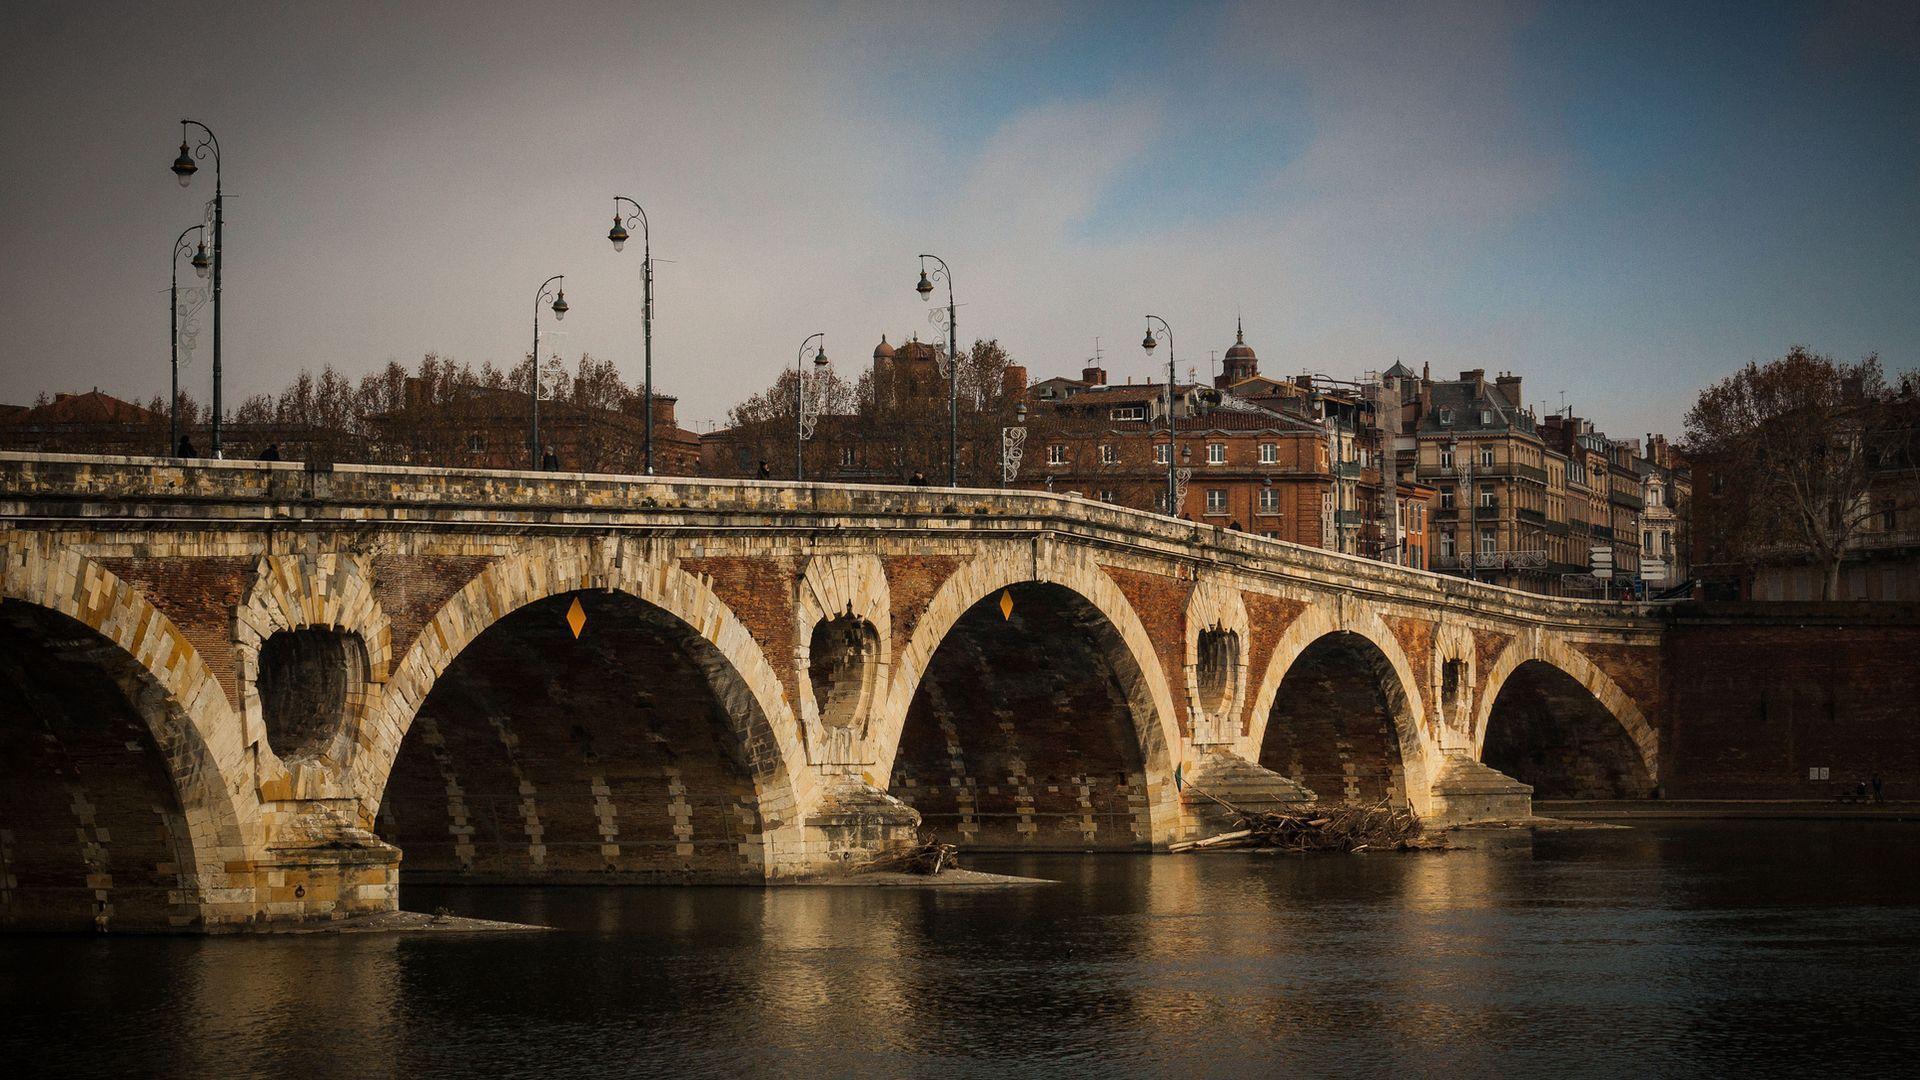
{"type": "Point", "coordinates": [233, 692]}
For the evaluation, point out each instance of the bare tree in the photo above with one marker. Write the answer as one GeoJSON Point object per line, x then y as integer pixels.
{"type": "Point", "coordinates": [1806, 451]}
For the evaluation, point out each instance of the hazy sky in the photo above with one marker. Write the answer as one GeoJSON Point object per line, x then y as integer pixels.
{"type": "Point", "coordinates": [1619, 201]}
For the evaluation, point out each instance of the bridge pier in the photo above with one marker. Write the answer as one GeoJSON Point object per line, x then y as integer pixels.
{"type": "Point", "coordinates": [1214, 775]}
{"type": "Point", "coordinates": [1465, 791]}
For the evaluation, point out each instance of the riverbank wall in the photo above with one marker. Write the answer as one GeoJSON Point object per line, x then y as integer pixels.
{"type": "Point", "coordinates": [1793, 701]}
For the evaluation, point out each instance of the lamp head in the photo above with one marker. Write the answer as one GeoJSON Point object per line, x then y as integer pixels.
{"type": "Point", "coordinates": [1020, 413]}
{"type": "Point", "coordinates": [560, 305]}
{"type": "Point", "coordinates": [820, 360]}
{"type": "Point", "coordinates": [617, 234]}
{"type": "Point", "coordinates": [200, 261]}
{"type": "Point", "coordinates": [183, 166]}
{"type": "Point", "coordinates": [1147, 342]}
{"type": "Point", "coordinates": [925, 288]}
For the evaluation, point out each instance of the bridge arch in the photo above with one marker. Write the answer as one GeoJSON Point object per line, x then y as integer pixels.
{"type": "Point", "coordinates": [629, 585]}
{"type": "Point", "coordinates": [1350, 651]}
{"type": "Point", "coordinates": [1596, 727]}
{"type": "Point", "coordinates": [1076, 601]}
{"type": "Point", "coordinates": [162, 775]}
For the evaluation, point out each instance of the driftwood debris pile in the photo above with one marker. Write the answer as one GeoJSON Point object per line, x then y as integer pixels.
{"type": "Point", "coordinates": [1378, 827]}
{"type": "Point", "coordinates": [926, 858]}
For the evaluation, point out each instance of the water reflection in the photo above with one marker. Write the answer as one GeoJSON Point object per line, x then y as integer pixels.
{"type": "Point", "coordinates": [1688, 948]}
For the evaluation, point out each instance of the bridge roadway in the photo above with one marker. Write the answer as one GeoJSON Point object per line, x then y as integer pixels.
{"type": "Point", "coordinates": [240, 691]}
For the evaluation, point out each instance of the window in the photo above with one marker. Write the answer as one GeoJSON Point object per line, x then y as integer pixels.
{"type": "Point", "coordinates": [1486, 542]}
{"type": "Point", "coordinates": [1056, 454]}
{"type": "Point", "coordinates": [1160, 502]}
{"type": "Point", "coordinates": [1128, 412]}
{"type": "Point", "coordinates": [1446, 457]}
{"type": "Point", "coordinates": [1107, 454]}
{"type": "Point", "coordinates": [1446, 498]}
{"type": "Point", "coordinates": [1486, 455]}
{"type": "Point", "coordinates": [1446, 416]}
{"type": "Point", "coordinates": [1646, 540]}
{"type": "Point", "coordinates": [1216, 500]}
{"type": "Point", "coordinates": [1107, 495]}
{"type": "Point", "coordinates": [1446, 545]}
{"type": "Point", "coordinates": [1486, 418]}
{"type": "Point", "coordinates": [1486, 496]}
{"type": "Point", "coordinates": [846, 455]}
{"type": "Point", "coordinates": [1216, 453]}
{"type": "Point", "coordinates": [1269, 453]}
{"type": "Point", "coordinates": [1270, 535]}
{"type": "Point", "coordinates": [1269, 501]}
{"type": "Point", "coordinates": [1653, 496]}
{"type": "Point", "coordinates": [1160, 453]}
{"type": "Point", "coordinates": [743, 457]}
{"type": "Point", "coordinates": [476, 443]}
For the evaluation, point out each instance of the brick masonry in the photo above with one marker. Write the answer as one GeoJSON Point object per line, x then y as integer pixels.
{"type": "Point", "coordinates": [486, 742]}
{"type": "Point", "coordinates": [1759, 694]}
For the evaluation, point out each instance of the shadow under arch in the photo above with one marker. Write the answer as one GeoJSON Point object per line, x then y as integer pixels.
{"type": "Point", "coordinates": [660, 659]}
{"type": "Point", "coordinates": [1413, 734]}
{"type": "Point", "coordinates": [111, 816]}
{"type": "Point", "coordinates": [1341, 724]}
{"type": "Point", "coordinates": [1546, 729]}
{"type": "Point", "coordinates": [1049, 728]}
{"type": "Point", "coordinates": [1592, 695]}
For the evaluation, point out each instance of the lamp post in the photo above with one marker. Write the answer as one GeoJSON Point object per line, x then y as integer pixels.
{"type": "Point", "coordinates": [802, 423]}
{"type": "Point", "coordinates": [559, 312]}
{"type": "Point", "coordinates": [184, 167]}
{"type": "Point", "coordinates": [925, 289]}
{"type": "Point", "coordinates": [618, 234]}
{"type": "Point", "coordinates": [1148, 343]}
{"type": "Point", "coordinates": [1013, 441]}
{"type": "Point", "coordinates": [200, 266]}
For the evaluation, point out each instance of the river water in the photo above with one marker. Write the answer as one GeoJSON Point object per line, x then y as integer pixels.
{"type": "Point", "coordinates": [1672, 948]}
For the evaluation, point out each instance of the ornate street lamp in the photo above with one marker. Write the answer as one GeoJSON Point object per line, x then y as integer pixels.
{"type": "Point", "coordinates": [1013, 440]}
{"type": "Point", "coordinates": [184, 167]}
{"type": "Point", "coordinates": [1148, 343]}
{"type": "Point", "coordinates": [559, 308]}
{"type": "Point", "coordinates": [618, 235]}
{"type": "Point", "coordinates": [200, 263]}
{"type": "Point", "coordinates": [803, 424]}
{"type": "Point", "coordinates": [925, 289]}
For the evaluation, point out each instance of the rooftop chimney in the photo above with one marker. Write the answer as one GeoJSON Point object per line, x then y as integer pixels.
{"type": "Point", "coordinates": [1509, 385]}
{"type": "Point", "coordinates": [1093, 375]}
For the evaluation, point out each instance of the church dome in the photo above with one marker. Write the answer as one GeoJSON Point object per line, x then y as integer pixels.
{"type": "Point", "coordinates": [883, 351]}
{"type": "Point", "coordinates": [1239, 350]}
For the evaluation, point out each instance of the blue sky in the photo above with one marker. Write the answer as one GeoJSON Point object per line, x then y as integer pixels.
{"type": "Point", "coordinates": [1621, 202]}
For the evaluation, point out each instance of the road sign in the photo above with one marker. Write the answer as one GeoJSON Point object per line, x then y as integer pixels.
{"type": "Point", "coordinates": [1600, 559]}
{"type": "Point", "coordinates": [1653, 570]}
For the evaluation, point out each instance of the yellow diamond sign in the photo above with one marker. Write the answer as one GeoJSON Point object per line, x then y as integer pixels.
{"type": "Point", "coordinates": [1006, 603]}
{"type": "Point", "coordinates": [576, 617]}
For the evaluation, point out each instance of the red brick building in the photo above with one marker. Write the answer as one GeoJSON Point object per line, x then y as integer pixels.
{"type": "Point", "coordinates": [1292, 460]}
{"type": "Point", "coordinates": [488, 429]}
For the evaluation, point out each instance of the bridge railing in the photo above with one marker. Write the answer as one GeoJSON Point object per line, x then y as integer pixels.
{"type": "Point", "coordinates": [54, 488]}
